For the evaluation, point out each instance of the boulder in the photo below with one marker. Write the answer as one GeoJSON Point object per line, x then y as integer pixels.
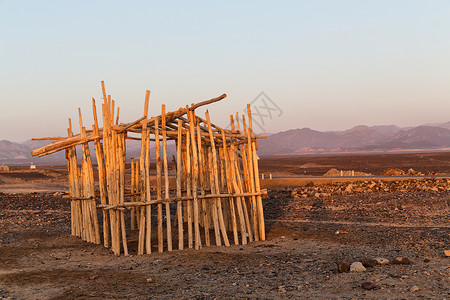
{"type": "Point", "coordinates": [382, 260]}
{"type": "Point", "coordinates": [357, 266]}
{"type": "Point", "coordinates": [343, 267]}
{"type": "Point", "coordinates": [401, 260]}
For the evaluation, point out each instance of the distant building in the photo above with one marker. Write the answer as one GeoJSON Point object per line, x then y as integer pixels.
{"type": "Point", "coordinates": [4, 169]}
{"type": "Point", "coordinates": [32, 167]}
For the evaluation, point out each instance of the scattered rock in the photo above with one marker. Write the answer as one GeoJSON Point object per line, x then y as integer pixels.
{"type": "Point", "coordinates": [401, 261]}
{"type": "Point", "coordinates": [349, 187]}
{"type": "Point", "coordinates": [335, 173]}
{"type": "Point", "coordinates": [426, 260]}
{"type": "Point", "coordinates": [357, 266]}
{"type": "Point", "coordinates": [281, 289]}
{"type": "Point", "coordinates": [414, 288]}
{"type": "Point", "coordinates": [382, 260]}
{"type": "Point", "coordinates": [149, 280]}
{"type": "Point", "coordinates": [447, 253]}
{"type": "Point", "coordinates": [369, 263]}
{"type": "Point", "coordinates": [392, 172]}
{"type": "Point", "coordinates": [343, 267]}
{"type": "Point", "coordinates": [368, 285]}
{"type": "Point", "coordinates": [309, 184]}
{"type": "Point", "coordinates": [377, 278]}
{"type": "Point", "coordinates": [341, 232]}
{"type": "Point", "coordinates": [329, 189]}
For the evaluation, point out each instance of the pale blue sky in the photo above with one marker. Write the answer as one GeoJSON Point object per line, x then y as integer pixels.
{"type": "Point", "coordinates": [329, 65]}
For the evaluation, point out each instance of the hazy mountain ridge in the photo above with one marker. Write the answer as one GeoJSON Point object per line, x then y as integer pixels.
{"type": "Point", "coordinates": [357, 139]}
{"type": "Point", "coordinates": [360, 138]}
{"type": "Point", "coordinates": [19, 153]}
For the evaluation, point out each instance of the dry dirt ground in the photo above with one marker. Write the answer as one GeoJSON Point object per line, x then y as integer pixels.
{"type": "Point", "coordinates": [299, 260]}
{"type": "Point", "coordinates": [317, 166]}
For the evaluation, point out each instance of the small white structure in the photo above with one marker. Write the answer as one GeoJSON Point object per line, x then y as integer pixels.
{"type": "Point", "coordinates": [4, 168]}
{"type": "Point", "coordinates": [32, 166]}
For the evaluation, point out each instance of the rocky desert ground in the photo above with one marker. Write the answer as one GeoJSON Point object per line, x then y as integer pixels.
{"type": "Point", "coordinates": [330, 238]}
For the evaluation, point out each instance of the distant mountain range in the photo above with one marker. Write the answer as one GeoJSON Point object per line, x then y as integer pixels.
{"type": "Point", "coordinates": [305, 141]}
{"type": "Point", "coordinates": [19, 153]}
{"type": "Point", "coordinates": [359, 139]}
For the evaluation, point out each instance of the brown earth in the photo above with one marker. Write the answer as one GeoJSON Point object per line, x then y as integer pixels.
{"type": "Point", "coordinates": [425, 163]}
{"type": "Point", "coordinates": [306, 239]}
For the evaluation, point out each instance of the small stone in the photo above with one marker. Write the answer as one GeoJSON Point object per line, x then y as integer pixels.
{"type": "Point", "coordinates": [357, 266]}
{"type": "Point", "coordinates": [368, 285]}
{"type": "Point", "coordinates": [401, 261]}
{"type": "Point", "coordinates": [343, 267]}
{"type": "Point", "coordinates": [447, 253]}
{"type": "Point", "coordinates": [281, 289]}
{"type": "Point", "coordinates": [93, 277]}
{"type": "Point", "coordinates": [426, 260]}
{"type": "Point", "coordinates": [369, 263]}
{"type": "Point", "coordinates": [377, 278]}
{"type": "Point", "coordinates": [381, 260]}
{"type": "Point", "coordinates": [415, 288]}
{"type": "Point", "coordinates": [348, 189]}
{"type": "Point", "coordinates": [149, 280]}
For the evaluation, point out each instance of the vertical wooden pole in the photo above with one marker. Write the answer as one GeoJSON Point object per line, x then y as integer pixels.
{"type": "Point", "coordinates": [136, 184]}
{"type": "Point", "coordinates": [205, 204]}
{"type": "Point", "coordinates": [101, 176]}
{"type": "Point", "coordinates": [215, 216]}
{"type": "Point", "coordinates": [216, 183]}
{"type": "Point", "coordinates": [228, 175]}
{"type": "Point", "coordinates": [242, 206]}
{"type": "Point", "coordinates": [121, 163]}
{"type": "Point", "coordinates": [179, 180]}
{"type": "Point", "coordinates": [133, 198]}
{"type": "Point", "coordinates": [142, 192]}
{"type": "Point", "coordinates": [158, 186]}
{"type": "Point", "coordinates": [166, 179]}
{"type": "Point", "coordinates": [188, 189]}
{"type": "Point", "coordinates": [148, 209]}
{"type": "Point", "coordinates": [262, 232]}
{"type": "Point", "coordinates": [194, 179]}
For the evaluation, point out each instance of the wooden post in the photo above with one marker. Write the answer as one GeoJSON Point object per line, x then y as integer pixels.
{"type": "Point", "coordinates": [166, 179]}
{"type": "Point", "coordinates": [158, 186]}
{"type": "Point", "coordinates": [148, 209]}
{"type": "Point", "coordinates": [101, 175]}
{"type": "Point", "coordinates": [133, 198]}
{"type": "Point", "coordinates": [262, 232]}
{"type": "Point", "coordinates": [179, 175]}
{"type": "Point", "coordinates": [194, 179]}
{"type": "Point", "coordinates": [188, 189]}
{"type": "Point", "coordinates": [205, 204]}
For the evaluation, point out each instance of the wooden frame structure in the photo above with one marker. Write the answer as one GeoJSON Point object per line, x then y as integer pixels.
{"type": "Point", "coordinates": [215, 197]}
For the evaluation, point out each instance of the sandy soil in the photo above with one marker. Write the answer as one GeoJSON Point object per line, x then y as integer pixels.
{"type": "Point", "coordinates": [299, 259]}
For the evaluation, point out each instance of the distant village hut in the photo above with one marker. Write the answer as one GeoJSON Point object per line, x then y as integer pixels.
{"type": "Point", "coordinates": [212, 196]}
{"type": "Point", "coordinates": [4, 168]}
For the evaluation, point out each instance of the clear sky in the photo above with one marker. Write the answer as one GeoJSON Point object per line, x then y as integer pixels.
{"type": "Point", "coordinates": [328, 65]}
